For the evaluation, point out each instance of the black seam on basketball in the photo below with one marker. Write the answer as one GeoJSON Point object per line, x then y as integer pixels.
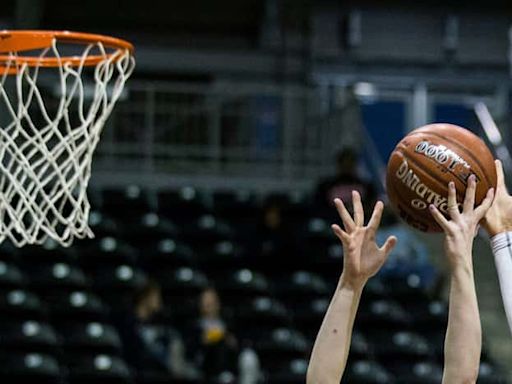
{"type": "Point", "coordinates": [464, 149]}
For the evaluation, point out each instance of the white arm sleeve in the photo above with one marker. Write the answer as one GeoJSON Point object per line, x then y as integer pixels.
{"type": "Point", "coordinates": [502, 249]}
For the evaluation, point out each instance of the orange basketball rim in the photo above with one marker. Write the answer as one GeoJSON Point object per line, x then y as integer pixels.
{"type": "Point", "coordinates": [17, 49]}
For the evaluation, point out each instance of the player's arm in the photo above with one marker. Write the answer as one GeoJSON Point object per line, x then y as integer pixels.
{"type": "Point", "coordinates": [362, 259]}
{"type": "Point", "coordinates": [463, 342]}
{"type": "Point", "coordinates": [498, 224]}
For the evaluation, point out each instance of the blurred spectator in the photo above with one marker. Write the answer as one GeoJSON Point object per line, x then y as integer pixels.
{"type": "Point", "coordinates": [410, 255]}
{"type": "Point", "coordinates": [273, 234]}
{"type": "Point", "coordinates": [343, 183]}
{"type": "Point", "coordinates": [216, 348]}
{"type": "Point", "coordinates": [147, 348]}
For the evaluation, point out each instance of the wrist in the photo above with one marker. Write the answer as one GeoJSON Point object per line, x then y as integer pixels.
{"type": "Point", "coordinates": [494, 229]}
{"type": "Point", "coordinates": [462, 269]}
{"type": "Point", "coordinates": [501, 229]}
{"type": "Point", "coordinates": [351, 283]}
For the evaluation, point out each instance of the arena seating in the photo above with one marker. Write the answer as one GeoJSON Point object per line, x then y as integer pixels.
{"type": "Point", "coordinates": [56, 304]}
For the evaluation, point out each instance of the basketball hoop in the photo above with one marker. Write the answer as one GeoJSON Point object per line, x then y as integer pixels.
{"type": "Point", "coordinates": [47, 143]}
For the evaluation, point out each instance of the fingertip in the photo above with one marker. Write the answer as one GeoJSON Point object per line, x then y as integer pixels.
{"type": "Point", "coordinates": [432, 207]}
{"type": "Point", "coordinates": [451, 185]}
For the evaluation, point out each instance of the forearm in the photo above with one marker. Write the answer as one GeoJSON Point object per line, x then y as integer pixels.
{"type": "Point", "coordinates": [463, 341]}
{"type": "Point", "coordinates": [502, 250]}
{"type": "Point", "coordinates": [332, 343]}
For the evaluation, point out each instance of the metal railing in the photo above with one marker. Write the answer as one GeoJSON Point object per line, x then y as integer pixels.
{"type": "Point", "coordinates": [280, 133]}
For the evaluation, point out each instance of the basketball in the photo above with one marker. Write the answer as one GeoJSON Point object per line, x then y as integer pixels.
{"type": "Point", "coordinates": [425, 161]}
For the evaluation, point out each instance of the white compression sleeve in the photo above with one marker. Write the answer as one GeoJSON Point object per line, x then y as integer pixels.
{"type": "Point", "coordinates": [502, 249]}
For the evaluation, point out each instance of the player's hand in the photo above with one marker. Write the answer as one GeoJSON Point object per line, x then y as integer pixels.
{"type": "Point", "coordinates": [362, 258]}
{"type": "Point", "coordinates": [460, 230]}
{"type": "Point", "coordinates": [499, 217]}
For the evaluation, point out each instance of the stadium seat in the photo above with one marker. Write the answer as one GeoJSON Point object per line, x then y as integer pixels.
{"type": "Point", "coordinates": [407, 289]}
{"type": "Point", "coordinates": [117, 283]}
{"type": "Point", "coordinates": [289, 371]}
{"type": "Point", "coordinates": [102, 225]}
{"type": "Point", "coordinates": [206, 229]}
{"type": "Point", "coordinates": [401, 345]}
{"type": "Point", "coordinates": [28, 335]}
{"type": "Point", "coordinates": [262, 312]}
{"type": "Point", "coordinates": [374, 290]}
{"type": "Point", "coordinates": [30, 367]}
{"type": "Point", "coordinates": [420, 372]}
{"type": "Point", "coordinates": [490, 374]}
{"type": "Point", "coordinates": [76, 305]}
{"type": "Point", "coordinates": [301, 283]}
{"type": "Point", "coordinates": [183, 279]}
{"type": "Point", "coordinates": [125, 202]}
{"type": "Point", "coordinates": [185, 201]}
{"type": "Point", "coordinates": [148, 227]}
{"type": "Point", "coordinates": [308, 314]}
{"type": "Point", "coordinates": [386, 314]}
{"type": "Point", "coordinates": [107, 251]}
{"type": "Point", "coordinates": [221, 255]}
{"type": "Point", "coordinates": [429, 315]}
{"type": "Point", "coordinates": [98, 369]}
{"type": "Point", "coordinates": [282, 343]}
{"type": "Point", "coordinates": [167, 252]}
{"type": "Point", "coordinates": [367, 372]}
{"type": "Point", "coordinates": [21, 304]}
{"type": "Point", "coordinates": [90, 337]}
{"type": "Point", "coordinates": [56, 276]}
{"type": "Point", "coordinates": [241, 284]}
{"type": "Point", "coordinates": [235, 205]}
{"type": "Point", "coordinates": [11, 276]}
{"type": "Point", "coordinates": [48, 252]}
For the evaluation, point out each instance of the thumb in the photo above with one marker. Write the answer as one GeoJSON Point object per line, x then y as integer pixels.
{"type": "Point", "coordinates": [389, 245]}
{"type": "Point", "coordinates": [500, 184]}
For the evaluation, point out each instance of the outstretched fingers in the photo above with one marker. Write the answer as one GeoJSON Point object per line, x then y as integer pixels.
{"type": "Point", "coordinates": [340, 233]}
{"type": "Point", "coordinates": [439, 218]}
{"type": "Point", "coordinates": [500, 184]}
{"type": "Point", "coordinates": [469, 199]}
{"type": "Point", "coordinates": [453, 208]}
{"type": "Point", "coordinates": [348, 222]}
{"type": "Point", "coordinates": [358, 209]}
{"type": "Point", "coordinates": [374, 222]}
{"type": "Point", "coordinates": [481, 210]}
{"type": "Point", "coordinates": [389, 244]}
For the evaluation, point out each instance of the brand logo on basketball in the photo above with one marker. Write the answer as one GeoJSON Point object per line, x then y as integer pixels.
{"type": "Point", "coordinates": [418, 204]}
{"type": "Point", "coordinates": [441, 155]}
{"type": "Point", "coordinates": [413, 182]}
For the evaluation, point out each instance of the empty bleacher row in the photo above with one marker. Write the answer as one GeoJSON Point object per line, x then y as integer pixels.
{"type": "Point", "coordinates": [56, 304]}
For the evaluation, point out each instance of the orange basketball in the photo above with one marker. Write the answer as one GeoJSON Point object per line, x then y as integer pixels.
{"type": "Point", "coordinates": [423, 163]}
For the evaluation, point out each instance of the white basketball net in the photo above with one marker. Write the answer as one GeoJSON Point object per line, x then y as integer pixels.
{"type": "Point", "coordinates": [46, 150]}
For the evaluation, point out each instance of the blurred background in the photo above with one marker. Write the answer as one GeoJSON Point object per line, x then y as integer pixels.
{"type": "Point", "coordinates": [213, 259]}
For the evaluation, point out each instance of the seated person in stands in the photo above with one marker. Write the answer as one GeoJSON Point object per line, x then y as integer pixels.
{"type": "Point", "coordinates": [145, 349]}
{"type": "Point", "coordinates": [363, 258]}
{"type": "Point", "coordinates": [342, 184]}
{"type": "Point", "coordinates": [215, 347]}
{"type": "Point", "coordinates": [273, 235]}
